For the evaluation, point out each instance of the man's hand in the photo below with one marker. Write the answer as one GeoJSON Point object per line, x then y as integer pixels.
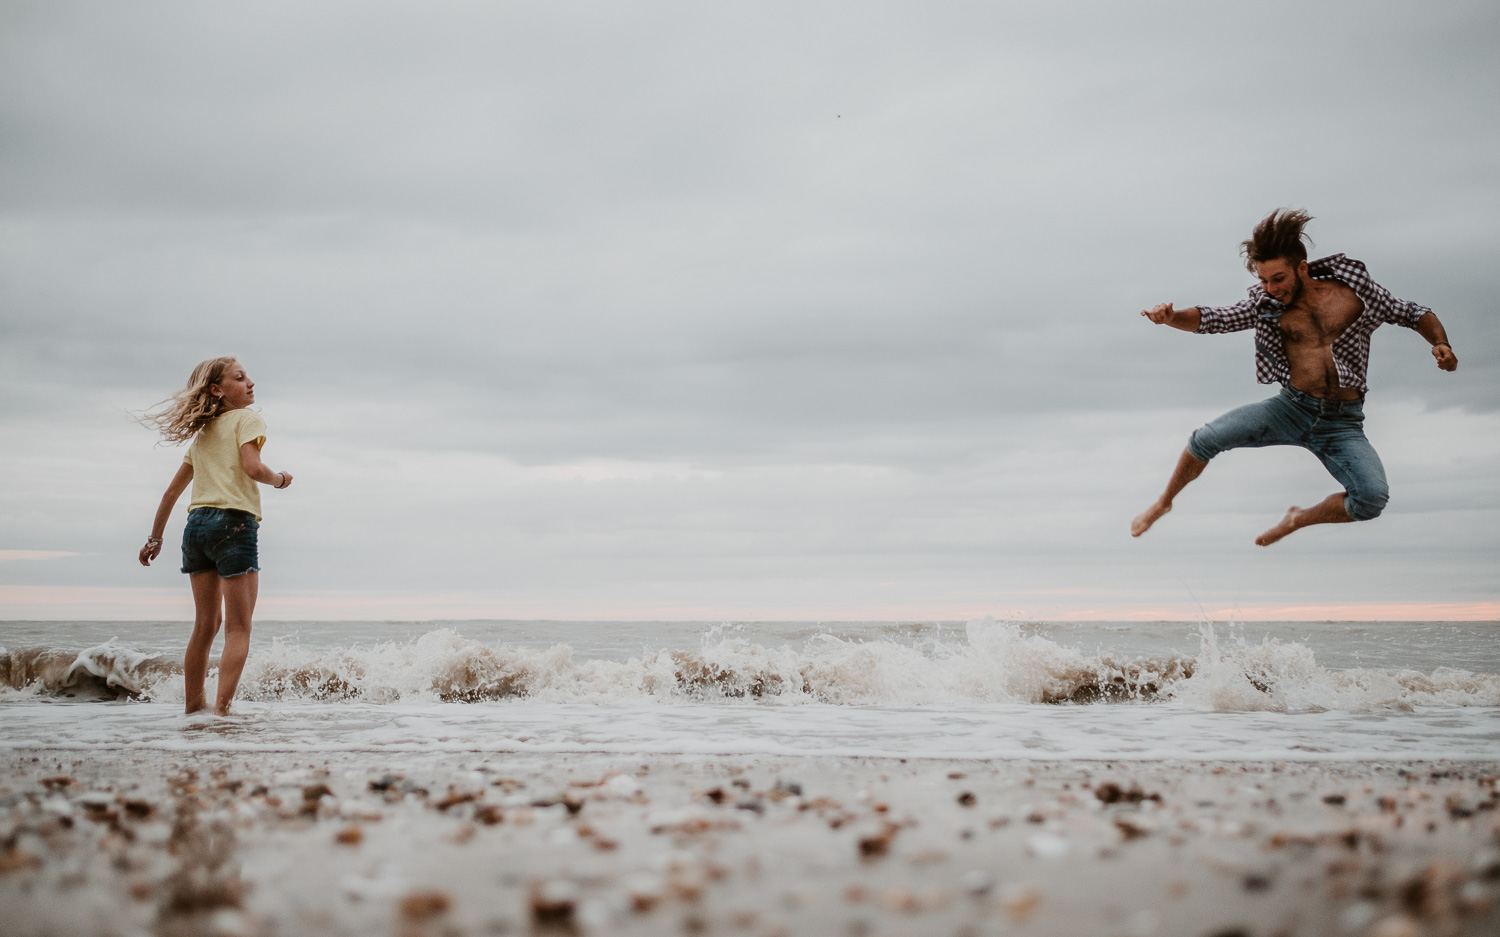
{"type": "Point", "coordinates": [1446, 359]}
{"type": "Point", "coordinates": [1161, 313]}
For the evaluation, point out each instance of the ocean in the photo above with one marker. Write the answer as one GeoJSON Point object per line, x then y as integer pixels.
{"type": "Point", "coordinates": [1114, 691]}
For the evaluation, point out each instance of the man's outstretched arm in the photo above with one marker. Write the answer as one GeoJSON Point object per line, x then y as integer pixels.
{"type": "Point", "coordinates": [1431, 329]}
{"type": "Point", "coordinates": [1163, 314]}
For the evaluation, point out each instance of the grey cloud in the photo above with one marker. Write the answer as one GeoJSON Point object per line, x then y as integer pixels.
{"type": "Point", "coordinates": [756, 239]}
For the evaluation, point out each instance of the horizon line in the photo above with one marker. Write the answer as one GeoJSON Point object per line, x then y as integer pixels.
{"type": "Point", "coordinates": [105, 603]}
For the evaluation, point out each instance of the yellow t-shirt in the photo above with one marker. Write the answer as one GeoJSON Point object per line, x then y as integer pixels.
{"type": "Point", "coordinates": [219, 479]}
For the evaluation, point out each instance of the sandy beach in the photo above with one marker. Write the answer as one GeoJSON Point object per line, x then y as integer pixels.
{"type": "Point", "coordinates": [125, 843]}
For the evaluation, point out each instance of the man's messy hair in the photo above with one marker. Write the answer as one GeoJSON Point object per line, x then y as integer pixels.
{"type": "Point", "coordinates": [1278, 235]}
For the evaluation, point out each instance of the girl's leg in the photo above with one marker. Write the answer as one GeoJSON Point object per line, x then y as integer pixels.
{"type": "Point", "coordinates": [239, 606]}
{"type": "Point", "coordinates": [208, 613]}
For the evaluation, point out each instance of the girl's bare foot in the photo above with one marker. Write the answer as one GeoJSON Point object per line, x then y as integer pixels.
{"type": "Point", "coordinates": [1287, 525]}
{"type": "Point", "coordinates": [200, 708]}
{"type": "Point", "coordinates": [221, 710]}
{"type": "Point", "coordinates": [1146, 518]}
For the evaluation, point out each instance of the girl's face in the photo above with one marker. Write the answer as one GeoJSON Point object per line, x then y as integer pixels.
{"type": "Point", "coordinates": [235, 388]}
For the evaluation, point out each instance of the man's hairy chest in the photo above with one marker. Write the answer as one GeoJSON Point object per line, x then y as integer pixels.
{"type": "Point", "coordinates": [1318, 318]}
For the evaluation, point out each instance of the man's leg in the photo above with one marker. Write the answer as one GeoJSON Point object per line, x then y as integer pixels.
{"type": "Point", "coordinates": [1344, 450]}
{"type": "Point", "coordinates": [1188, 468]}
{"type": "Point", "coordinates": [1271, 422]}
{"type": "Point", "coordinates": [1328, 511]}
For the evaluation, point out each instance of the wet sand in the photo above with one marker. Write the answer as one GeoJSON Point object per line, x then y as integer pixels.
{"type": "Point", "coordinates": [127, 843]}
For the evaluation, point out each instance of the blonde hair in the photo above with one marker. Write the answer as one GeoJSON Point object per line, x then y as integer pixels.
{"type": "Point", "coordinates": [180, 417]}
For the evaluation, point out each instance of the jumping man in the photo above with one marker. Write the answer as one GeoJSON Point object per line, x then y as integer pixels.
{"type": "Point", "coordinates": [1312, 326]}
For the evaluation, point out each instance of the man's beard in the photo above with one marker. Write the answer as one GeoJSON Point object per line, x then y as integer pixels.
{"type": "Point", "coordinates": [1296, 293]}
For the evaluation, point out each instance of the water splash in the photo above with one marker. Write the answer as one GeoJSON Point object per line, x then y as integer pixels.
{"type": "Point", "coordinates": [992, 662]}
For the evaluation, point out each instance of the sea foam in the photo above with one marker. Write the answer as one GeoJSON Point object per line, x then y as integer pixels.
{"type": "Point", "coordinates": [993, 662]}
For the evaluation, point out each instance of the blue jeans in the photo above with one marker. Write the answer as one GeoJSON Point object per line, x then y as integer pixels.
{"type": "Point", "coordinates": [1332, 430]}
{"type": "Point", "coordinates": [222, 540]}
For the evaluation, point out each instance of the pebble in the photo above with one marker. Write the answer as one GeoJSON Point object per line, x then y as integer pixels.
{"type": "Point", "coordinates": [1396, 925]}
{"type": "Point", "coordinates": [878, 844]}
{"type": "Point", "coordinates": [622, 785]}
{"type": "Point", "coordinates": [554, 901]}
{"type": "Point", "coordinates": [1358, 916]}
{"type": "Point", "coordinates": [977, 882]}
{"type": "Point", "coordinates": [422, 905]}
{"type": "Point", "coordinates": [1485, 864]}
{"type": "Point", "coordinates": [1111, 793]}
{"type": "Point", "coordinates": [1020, 901]}
{"type": "Point", "coordinates": [227, 923]}
{"type": "Point", "coordinates": [1134, 827]}
{"type": "Point", "coordinates": [1047, 846]}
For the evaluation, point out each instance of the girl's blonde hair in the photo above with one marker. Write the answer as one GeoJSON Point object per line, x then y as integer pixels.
{"type": "Point", "coordinates": [180, 417]}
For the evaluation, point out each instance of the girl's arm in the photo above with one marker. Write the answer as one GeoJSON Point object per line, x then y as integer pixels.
{"type": "Point", "coordinates": [256, 469]}
{"type": "Point", "coordinates": [178, 485]}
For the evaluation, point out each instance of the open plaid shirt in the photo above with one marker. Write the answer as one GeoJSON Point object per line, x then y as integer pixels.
{"type": "Point", "coordinates": [1351, 350]}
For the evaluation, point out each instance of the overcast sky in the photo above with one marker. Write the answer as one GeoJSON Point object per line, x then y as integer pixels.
{"type": "Point", "coordinates": [770, 310]}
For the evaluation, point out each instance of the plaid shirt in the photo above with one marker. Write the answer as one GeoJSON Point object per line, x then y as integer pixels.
{"type": "Point", "coordinates": [1351, 350]}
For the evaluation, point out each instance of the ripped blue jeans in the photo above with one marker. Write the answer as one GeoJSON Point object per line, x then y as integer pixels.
{"type": "Point", "coordinates": [1332, 430]}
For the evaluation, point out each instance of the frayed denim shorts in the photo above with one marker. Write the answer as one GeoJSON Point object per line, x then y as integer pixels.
{"type": "Point", "coordinates": [220, 540]}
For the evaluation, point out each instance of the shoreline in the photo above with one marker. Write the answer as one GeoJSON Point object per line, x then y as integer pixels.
{"type": "Point", "coordinates": [271, 843]}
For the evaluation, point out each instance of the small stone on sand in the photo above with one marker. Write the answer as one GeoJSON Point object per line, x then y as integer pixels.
{"type": "Point", "coordinates": [554, 901]}
{"type": "Point", "coordinates": [1396, 925]}
{"type": "Point", "coordinates": [423, 905]}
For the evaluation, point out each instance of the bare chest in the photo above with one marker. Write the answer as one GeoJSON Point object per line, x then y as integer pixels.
{"type": "Point", "coordinates": [1320, 318]}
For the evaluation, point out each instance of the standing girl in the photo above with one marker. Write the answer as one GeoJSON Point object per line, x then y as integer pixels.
{"type": "Point", "coordinates": [219, 541]}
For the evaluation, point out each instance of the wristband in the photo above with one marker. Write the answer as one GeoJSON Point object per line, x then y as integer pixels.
{"type": "Point", "coordinates": [1435, 344]}
{"type": "Point", "coordinates": [151, 540]}
{"type": "Point", "coordinates": [283, 481]}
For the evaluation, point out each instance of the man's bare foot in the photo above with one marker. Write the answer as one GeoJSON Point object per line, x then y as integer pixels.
{"type": "Point", "coordinates": [1146, 518]}
{"type": "Point", "coordinates": [1287, 525]}
{"type": "Point", "coordinates": [202, 708]}
{"type": "Point", "coordinates": [221, 710]}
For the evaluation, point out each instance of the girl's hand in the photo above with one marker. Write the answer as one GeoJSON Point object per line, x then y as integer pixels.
{"type": "Point", "coordinates": [149, 551]}
{"type": "Point", "coordinates": [286, 479]}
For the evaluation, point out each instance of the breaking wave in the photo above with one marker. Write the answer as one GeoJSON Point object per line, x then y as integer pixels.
{"type": "Point", "coordinates": [996, 662]}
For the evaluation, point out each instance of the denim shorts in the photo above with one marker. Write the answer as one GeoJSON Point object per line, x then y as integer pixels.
{"type": "Point", "coordinates": [221, 540]}
{"type": "Point", "coordinates": [1332, 430]}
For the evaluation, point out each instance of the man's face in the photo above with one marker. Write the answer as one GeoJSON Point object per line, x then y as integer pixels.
{"type": "Point", "coordinates": [1282, 279]}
